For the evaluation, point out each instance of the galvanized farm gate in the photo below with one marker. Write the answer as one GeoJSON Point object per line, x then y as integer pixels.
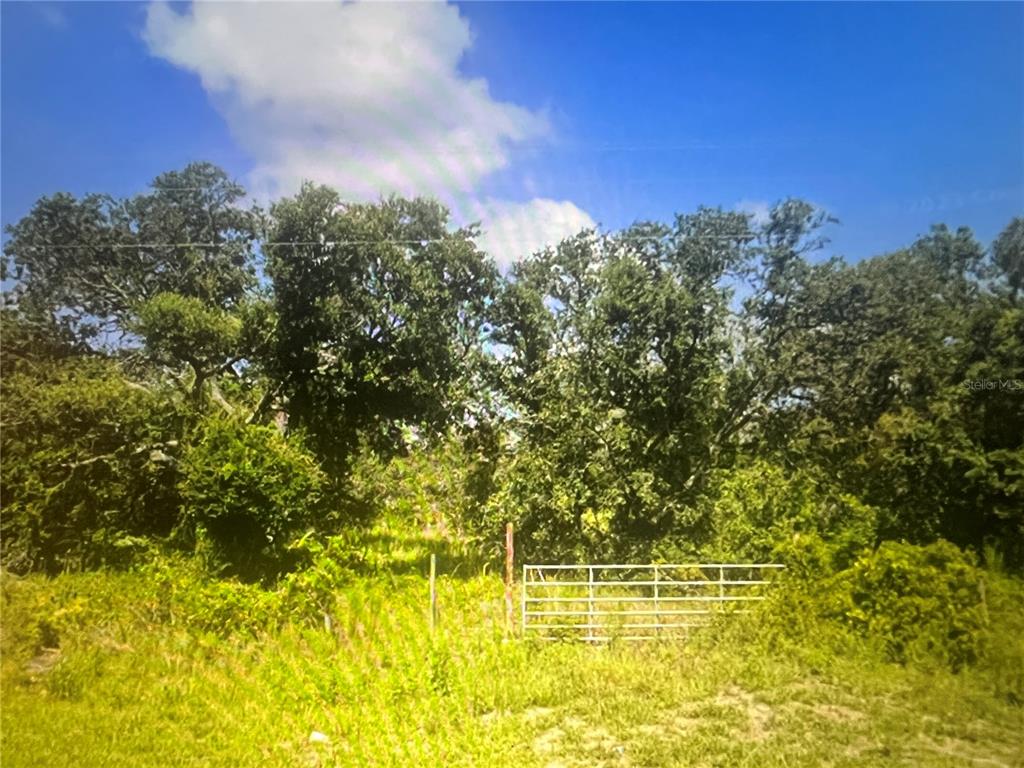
{"type": "Point", "coordinates": [598, 603]}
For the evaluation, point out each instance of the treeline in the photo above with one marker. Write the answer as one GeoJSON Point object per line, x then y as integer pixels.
{"type": "Point", "coordinates": [180, 368]}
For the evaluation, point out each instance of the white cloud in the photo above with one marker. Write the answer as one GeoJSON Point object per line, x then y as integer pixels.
{"type": "Point", "coordinates": [760, 210]}
{"type": "Point", "coordinates": [512, 231]}
{"type": "Point", "coordinates": [366, 97]}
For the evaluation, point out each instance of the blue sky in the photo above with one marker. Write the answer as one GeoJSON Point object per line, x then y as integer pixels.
{"type": "Point", "coordinates": [535, 118]}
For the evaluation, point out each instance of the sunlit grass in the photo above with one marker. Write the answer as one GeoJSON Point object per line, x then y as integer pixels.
{"type": "Point", "coordinates": [128, 685]}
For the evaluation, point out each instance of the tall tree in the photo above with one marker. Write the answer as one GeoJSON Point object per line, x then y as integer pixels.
{"type": "Point", "coordinates": [379, 310]}
{"type": "Point", "coordinates": [90, 263]}
{"type": "Point", "coordinates": [619, 356]}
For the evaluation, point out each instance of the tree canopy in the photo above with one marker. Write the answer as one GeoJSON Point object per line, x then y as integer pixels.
{"type": "Point", "coordinates": [710, 384]}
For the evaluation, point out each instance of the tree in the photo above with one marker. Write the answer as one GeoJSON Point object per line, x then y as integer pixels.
{"type": "Point", "coordinates": [380, 312]}
{"type": "Point", "coordinates": [92, 428]}
{"type": "Point", "coordinates": [618, 357]}
{"type": "Point", "coordinates": [883, 395]}
{"type": "Point", "coordinates": [90, 263]}
{"type": "Point", "coordinates": [179, 329]}
{"type": "Point", "coordinates": [1008, 255]}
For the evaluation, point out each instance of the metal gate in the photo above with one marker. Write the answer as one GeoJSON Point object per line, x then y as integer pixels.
{"type": "Point", "coordinates": [598, 603]}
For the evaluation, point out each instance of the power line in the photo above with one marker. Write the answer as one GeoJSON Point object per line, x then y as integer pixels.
{"type": "Point", "coordinates": [337, 243]}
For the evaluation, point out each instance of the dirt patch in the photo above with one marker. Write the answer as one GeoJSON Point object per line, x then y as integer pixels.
{"type": "Point", "coordinates": [43, 663]}
{"type": "Point", "coordinates": [685, 723]}
{"type": "Point", "coordinates": [837, 713]}
{"type": "Point", "coordinates": [489, 718]}
{"type": "Point", "coordinates": [760, 716]}
{"type": "Point", "coordinates": [549, 741]}
{"type": "Point", "coordinates": [651, 729]}
{"type": "Point", "coordinates": [672, 725]}
{"type": "Point", "coordinates": [861, 746]}
{"type": "Point", "coordinates": [574, 743]}
{"type": "Point", "coordinates": [598, 738]}
{"type": "Point", "coordinates": [967, 753]}
{"type": "Point", "coordinates": [535, 714]}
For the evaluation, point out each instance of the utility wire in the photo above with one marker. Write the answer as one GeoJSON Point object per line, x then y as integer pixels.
{"type": "Point", "coordinates": [336, 243]}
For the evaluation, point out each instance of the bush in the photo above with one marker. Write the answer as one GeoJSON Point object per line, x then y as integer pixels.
{"type": "Point", "coordinates": [764, 512]}
{"type": "Point", "coordinates": [1004, 643]}
{"type": "Point", "coordinates": [924, 602]}
{"type": "Point", "coordinates": [439, 485]}
{"type": "Point", "coordinates": [179, 591]}
{"type": "Point", "coordinates": [87, 466]}
{"type": "Point", "coordinates": [247, 491]}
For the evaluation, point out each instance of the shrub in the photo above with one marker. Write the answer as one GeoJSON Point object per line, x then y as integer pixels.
{"type": "Point", "coordinates": [924, 602]}
{"type": "Point", "coordinates": [87, 465]}
{"type": "Point", "coordinates": [765, 512]}
{"type": "Point", "coordinates": [247, 491]}
{"type": "Point", "coordinates": [438, 485]}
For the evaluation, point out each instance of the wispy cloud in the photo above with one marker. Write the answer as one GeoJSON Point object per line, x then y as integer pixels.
{"type": "Point", "coordinates": [366, 97]}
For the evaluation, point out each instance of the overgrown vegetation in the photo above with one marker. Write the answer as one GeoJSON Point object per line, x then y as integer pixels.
{"type": "Point", "coordinates": [247, 491]}
{"type": "Point", "coordinates": [231, 438]}
{"type": "Point", "coordinates": [168, 661]}
{"type": "Point", "coordinates": [616, 396]}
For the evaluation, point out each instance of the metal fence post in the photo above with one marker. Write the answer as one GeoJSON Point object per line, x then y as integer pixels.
{"type": "Point", "coordinates": [657, 603]}
{"type": "Point", "coordinates": [433, 593]}
{"type": "Point", "coordinates": [524, 600]}
{"type": "Point", "coordinates": [590, 604]}
{"type": "Point", "coordinates": [721, 587]}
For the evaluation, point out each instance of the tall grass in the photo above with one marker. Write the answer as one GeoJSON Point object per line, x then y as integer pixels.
{"type": "Point", "coordinates": [165, 666]}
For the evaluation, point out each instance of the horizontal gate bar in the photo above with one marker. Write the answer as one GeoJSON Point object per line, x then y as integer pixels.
{"type": "Point", "coordinates": [619, 613]}
{"type": "Point", "coordinates": [645, 599]}
{"type": "Point", "coordinates": [666, 583]}
{"type": "Point", "coordinates": [651, 567]}
{"type": "Point", "coordinates": [579, 604]}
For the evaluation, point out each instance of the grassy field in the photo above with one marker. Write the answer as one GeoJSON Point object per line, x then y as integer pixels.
{"type": "Point", "coordinates": [159, 668]}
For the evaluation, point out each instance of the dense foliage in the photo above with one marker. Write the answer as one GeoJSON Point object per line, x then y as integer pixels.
{"type": "Point", "coordinates": [248, 490]}
{"type": "Point", "coordinates": [926, 602]}
{"type": "Point", "coordinates": [180, 369]}
{"type": "Point", "coordinates": [87, 464]}
{"type": "Point", "coordinates": [379, 315]}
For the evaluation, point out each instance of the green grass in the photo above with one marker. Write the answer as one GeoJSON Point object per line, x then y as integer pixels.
{"type": "Point", "coordinates": [156, 669]}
